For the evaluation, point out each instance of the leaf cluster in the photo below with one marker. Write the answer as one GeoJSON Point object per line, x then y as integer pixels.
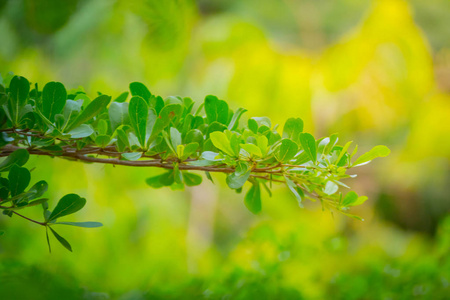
{"type": "Point", "coordinates": [138, 128]}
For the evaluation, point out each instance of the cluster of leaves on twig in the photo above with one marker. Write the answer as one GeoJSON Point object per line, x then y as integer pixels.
{"type": "Point", "coordinates": [145, 130]}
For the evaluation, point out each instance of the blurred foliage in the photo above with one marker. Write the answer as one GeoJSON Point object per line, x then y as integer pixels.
{"type": "Point", "coordinates": [374, 71]}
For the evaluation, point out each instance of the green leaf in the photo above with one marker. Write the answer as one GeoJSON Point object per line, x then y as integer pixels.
{"type": "Point", "coordinates": [60, 239]}
{"type": "Point", "coordinates": [154, 182]}
{"type": "Point", "coordinates": [19, 88]}
{"type": "Point", "coordinates": [343, 152]}
{"type": "Point", "coordinates": [237, 179]}
{"type": "Point", "coordinates": [175, 137]}
{"type": "Point", "coordinates": [167, 179]}
{"type": "Point", "coordinates": [54, 98]}
{"type": "Point", "coordinates": [102, 140]}
{"type": "Point", "coordinates": [216, 110]}
{"type": "Point", "coordinates": [295, 190]}
{"type": "Point", "coordinates": [292, 129]}
{"type": "Point", "coordinates": [350, 198]}
{"type": "Point", "coordinates": [38, 189]}
{"type": "Point", "coordinates": [191, 179]}
{"type": "Point", "coordinates": [84, 130]}
{"type": "Point", "coordinates": [189, 149]}
{"type": "Point", "coordinates": [167, 114]}
{"type": "Point", "coordinates": [138, 111]}
{"type": "Point", "coordinates": [82, 224]}
{"type": "Point", "coordinates": [263, 144]}
{"type": "Point", "coordinates": [359, 201]}
{"type": "Point", "coordinates": [132, 156]}
{"type": "Point", "coordinates": [37, 202]}
{"type": "Point", "coordinates": [221, 142]}
{"type": "Point", "coordinates": [252, 199]}
{"type": "Point", "coordinates": [309, 145]}
{"type": "Point", "coordinates": [139, 89]}
{"type": "Point", "coordinates": [215, 126]}
{"type": "Point", "coordinates": [332, 142]}
{"type": "Point", "coordinates": [262, 121]}
{"type": "Point", "coordinates": [18, 157]}
{"type": "Point", "coordinates": [252, 149]}
{"type": "Point", "coordinates": [71, 109]}
{"type": "Point", "coordinates": [235, 118]}
{"type": "Point", "coordinates": [194, 136]}
{"type": "Point", "coordinates": [118, 114]}
{"type": "Point", "coordinates": [19, 179]}
{"type": "Point", "coordinates": [69, 204]}
{"type": "Point", "coordinates": [48, 240]}
{"type": "Point", "coordinates": [377, 151]}
{"type": "Point", "coordinates": [122, 97]}
{"type": "Point", "coordinates": [287, 151]}
{"type": "Point", "coordinates": [91, 111]}
{"type": "Point", "coordinates": [330, 188]}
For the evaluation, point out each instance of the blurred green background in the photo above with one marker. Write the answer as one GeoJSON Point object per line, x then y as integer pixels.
{"type": "Point", "coordinates": [376, 72]}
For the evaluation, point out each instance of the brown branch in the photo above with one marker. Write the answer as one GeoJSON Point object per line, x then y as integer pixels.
{"type": "Point", "coordinates": [31, 220]}
{"type": "Point", "coordinates": [82, 155]}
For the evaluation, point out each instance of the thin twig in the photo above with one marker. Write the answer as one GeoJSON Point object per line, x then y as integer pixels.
{"type": "Point", "coordinates": [31, 220]}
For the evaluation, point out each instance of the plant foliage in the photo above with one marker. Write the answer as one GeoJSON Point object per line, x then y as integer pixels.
{"type": "Point", "coordinates": [172, 134]}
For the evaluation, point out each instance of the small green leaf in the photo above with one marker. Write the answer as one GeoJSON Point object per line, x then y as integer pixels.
{"type": "Point", "coordinates": [252, 149]}
{"type": "Point", "coordinates": [71, 110]}
{"type": "Point", "coordinates": [263, 144]}
{"type": "Point", "coordinates": [102, 140]}
{"type": "Point", "coordinates": [189, 149]}
{"type": "Point", "coordinates": [359, 201]}
{"type": "Point", "coordinates": [296, 191]}
{"type": "Point", "coordinates": [167, 179]}
{"type": "Point", "coordinates": [54, 98]}
{"type": "Point", "coordinates": [235, 118]}
{"type": "Point", "coordinates": [309, 145]}
{"type": "Point", "coordinates": [330, 188]}
{"type": "Point", "coordinates": [139, 89]}
{"type": "Point", "coordinates": [167, 114]}
{"type": "Point", "coordinates": [215, 126]}
{"type": "Point", "coordinates": [154, 182]}
{"type": "Point", "coordinates": [118, 114]}
{"type": "Point", "coordinates": [18, 157]}
{"type": "Point", "coordinates": [343, 152]}
{"type": "Point", "coordinates": [332, 142]}
{"type": "Point", "coordinates": [48, 240]}
{"type": "Point", "coordinates": [37, 202]}
{"type": "Point", "coordinates": [175, 137]}
{"type": "Point", "coordinates": [91, 111]}
{"type": "Point", "coordinates": [122, 97]}
{"type": "Point", "coordinates": [138, 111]}
{"type": "Point", "coordinates": [216, 110]}
{"type": "Point", "coordinates": [252, 199]}
{"type": "Point", "coordinates": [82, 224]}
{"type": "Point", "coordinates": [19, 179]}
{"type": "Point", "coordinates": [84, 130]}
{"type": "Point", "coordinates": [131, 156]}
{"type": "Point", "coordinates": [287, 151]}
{"type": "Point", "coordinates": [38, 189]}
{"type": "Point", "coordinates": [377, 151]}
{"type": "Point", "coordinates": [292, 129]}
{"type": "Point", "coordinates": [237, 179]}
{"type": "Point", "coordinates": [60, 239]}
{"type": "Point", "coordinates": [194, 136]}
{"type": "Point", "coordinates": [192, 179]}
{"type": "Point", "coordinates": [350, 198]}
{"type": "Point", "coordinates": [19, 88]}
{"type": "Point", "coordinates": [69, 204]}
{"type": "Point", "coordinates": [221, 142]}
